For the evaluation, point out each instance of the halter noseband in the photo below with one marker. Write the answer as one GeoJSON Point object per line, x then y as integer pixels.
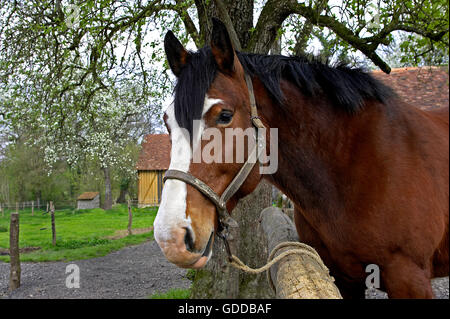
{"type": "Point", "coordinates": [225, 220]}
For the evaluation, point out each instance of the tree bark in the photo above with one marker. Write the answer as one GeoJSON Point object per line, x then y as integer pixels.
{"type": "Point", "coordinates": [241, 15]}
{"type": "Point", "coordinates": [108, 194]}
{"type": "Point", "coordinates": [122, 196]}
{"type": "Point", "coordinates": [239, 12]}
{"type": "Point", "coordinates": [218, 279]}
{"type": "Point", "coordinates": [124, 186]}
{"type": "Point", "coordinates": [276, 47]}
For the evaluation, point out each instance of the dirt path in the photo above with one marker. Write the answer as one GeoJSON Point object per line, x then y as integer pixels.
{"type": "Point", "coordinates": [133, 272]}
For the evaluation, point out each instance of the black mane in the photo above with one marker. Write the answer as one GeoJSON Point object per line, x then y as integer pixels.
{"type": "Point", "coordinates": [347, 88]}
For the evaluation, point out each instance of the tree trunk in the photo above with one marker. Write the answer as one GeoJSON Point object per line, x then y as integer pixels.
{"type": "Point", "coordinates": [122, 196]}
{"type": "Point", "coordinates": [240, 13]}
{"type": "Point", "coordinates": [218, 279]}
{"type": "Point", "coordinates": [108, 194]}
{"type": "Point", "coordinates": [124, 185]}
{"type": "Point", "coordinates": [276, 47]}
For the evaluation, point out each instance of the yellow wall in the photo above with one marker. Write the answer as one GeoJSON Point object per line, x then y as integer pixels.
{"type": "Point", "coordinates": [149, 187]}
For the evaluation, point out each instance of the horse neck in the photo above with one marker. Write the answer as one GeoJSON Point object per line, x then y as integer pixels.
{"type": "Point", "coordinates": [316, 145]}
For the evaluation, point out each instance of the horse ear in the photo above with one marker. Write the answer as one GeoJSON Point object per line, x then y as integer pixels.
{"type": "Point", "coordinates": [177, 56]}
{"type": "Point", "coordinates": [221, 47]}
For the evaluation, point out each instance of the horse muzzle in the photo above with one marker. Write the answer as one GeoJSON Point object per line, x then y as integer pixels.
{"type": "Point", "coordinates": [179, 250]}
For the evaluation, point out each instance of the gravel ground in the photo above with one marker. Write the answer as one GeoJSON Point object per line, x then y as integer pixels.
{"type": "Point", "coordinates": [133, 272]}
{"type": "Point", "coordinates": [440, 290]}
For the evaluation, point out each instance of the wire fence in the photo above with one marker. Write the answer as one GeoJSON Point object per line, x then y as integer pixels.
{"type": "Point", "coordinates": [60, 205]}
{"type": "Point", "coordinates": [38, 205]}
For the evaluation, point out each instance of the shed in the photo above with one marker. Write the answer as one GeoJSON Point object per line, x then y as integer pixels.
{"type": "Point", "coordinates": [154, 160]}
{"type": "Point", "coordinates": [88, 200]}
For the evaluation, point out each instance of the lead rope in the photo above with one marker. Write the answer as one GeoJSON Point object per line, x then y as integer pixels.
{"type": "Point", "coordinates": [300, 249]}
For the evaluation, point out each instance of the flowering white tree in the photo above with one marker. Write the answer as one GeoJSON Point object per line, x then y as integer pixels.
{"type": "Point", "coordinates": [120, 115]}
{"type": "Point", "coordinates": [81, 96]}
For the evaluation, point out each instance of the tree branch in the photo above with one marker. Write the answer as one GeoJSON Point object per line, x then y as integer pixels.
{"type": "Point", "coordinates": [191, 29]}
{"type": "Point", "coordinates": [270, 20]}
{"type": "Point", "coordinates": [343, 32]}
{"type": "Point", "coordinates": [224, 16]}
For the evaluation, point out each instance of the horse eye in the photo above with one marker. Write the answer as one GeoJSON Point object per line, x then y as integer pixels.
{"type": "Point", "coordinates": [224, 117]}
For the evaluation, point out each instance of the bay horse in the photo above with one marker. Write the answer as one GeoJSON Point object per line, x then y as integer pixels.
{"type": "Point", "coordinates": [368, 173]}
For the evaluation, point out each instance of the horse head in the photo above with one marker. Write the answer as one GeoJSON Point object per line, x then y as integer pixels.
{"type": "Point", "coordinates": [211, 100]}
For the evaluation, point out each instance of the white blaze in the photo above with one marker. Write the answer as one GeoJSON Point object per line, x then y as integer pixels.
{"type": "Point", "coordinates": [172, 210]}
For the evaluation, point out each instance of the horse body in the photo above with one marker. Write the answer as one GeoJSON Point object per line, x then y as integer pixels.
{"type": "Point", "coordinates": [369, 188]}
{"type": "Point", "coordinates": [367, 172]}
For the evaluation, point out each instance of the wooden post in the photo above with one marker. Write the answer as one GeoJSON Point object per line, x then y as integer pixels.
{"type": "Point", "coordinates": [297, 276]}
{"type": "Point", "coordinates": [32, 208]}
{"type": "Point", "coordinates": [46, 210]}
{"type": "Point", "coordinates": [14, 278]}
{"type": "Point", "coordinates": [52, 213]}
{"type": "Point", "coordinates": [1, 209]}
{"type": "Point", "coordinates": [130, 218]}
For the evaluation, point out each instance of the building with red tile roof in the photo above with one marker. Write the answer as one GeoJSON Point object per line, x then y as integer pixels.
{"type": "Point", "coordinates": [155, 153]}
{"type": "Point", "coordinates": [154, 160]}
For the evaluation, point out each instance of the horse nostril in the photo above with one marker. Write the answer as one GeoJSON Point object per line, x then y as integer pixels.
{"type": "Point", "coordinates": [188, 240]}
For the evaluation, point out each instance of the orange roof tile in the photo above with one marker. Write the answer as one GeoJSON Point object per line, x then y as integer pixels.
{"type": "Point", "coordinates": [88, 195]}
{"type": "Point", "coordinates": [424, 87]}
{"type": "Point", "coordinates": [155, 153]}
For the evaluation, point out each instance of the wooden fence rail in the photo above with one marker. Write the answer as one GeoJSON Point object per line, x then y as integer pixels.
{"type": "Point", "coordinates": [300, 275]}
{"type": "Point", "coordinates": [130, 219]}
{"type": "Point", "coordinates": [52, 213]}
{"type": "Point", "coordinates": [14, 277]}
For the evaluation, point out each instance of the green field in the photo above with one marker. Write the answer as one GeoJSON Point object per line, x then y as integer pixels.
{"type": "Point", "coordinates": [80, 234]}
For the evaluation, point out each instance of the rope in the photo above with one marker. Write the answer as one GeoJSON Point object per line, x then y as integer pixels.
{"type": "Point", "coordinates": [300, 249]}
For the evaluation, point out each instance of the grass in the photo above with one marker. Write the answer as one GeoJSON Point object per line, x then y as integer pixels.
{"type": "Point", "coordinates": [173, 294]}
{"type": "Point", "coordinates": [176, 293]}
{"type": "Point", "coordinates": [80, 234]}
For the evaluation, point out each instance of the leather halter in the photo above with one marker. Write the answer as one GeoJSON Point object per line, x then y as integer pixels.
{"type": "Point", "coordinates": [225, 220]}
